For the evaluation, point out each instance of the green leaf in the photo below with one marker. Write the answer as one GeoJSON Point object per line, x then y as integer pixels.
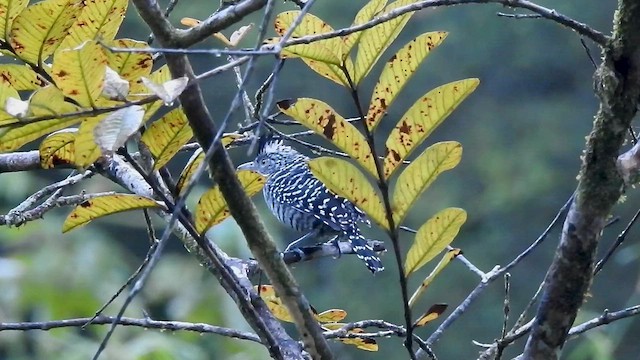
{"type": "Point", "coordinates": [212, 207]}
{"type": "Point", "coordinates": [433, 237]}
{"type": "Point", "coordinates": [322, 119]}
{"type": "Point", "coordinates": [38, 31]}
{"type": "Point", "coordinates": [421, 173]}
{"type": "Point", "coordinates": [103, 206]}
{"type": "Point", "coordinates": [344, 179]}
{"type": "Point", "coordinates": [165, 137]}
{"type": "Point", "coordinates": [397, 72]}
{"type": "Point", "coordinates": [422, 119]}
{"type": "Point", "coordinates": [80, 72]}
{"type": "Point", "coordinates": [374, 41]}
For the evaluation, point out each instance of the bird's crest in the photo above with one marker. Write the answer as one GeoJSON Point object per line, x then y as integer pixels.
{"type": "Point", "coordinates": [268, 144]}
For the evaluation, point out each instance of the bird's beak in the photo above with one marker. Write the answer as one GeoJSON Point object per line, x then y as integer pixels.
{"type": "Point", "coordinates": [246, 166]}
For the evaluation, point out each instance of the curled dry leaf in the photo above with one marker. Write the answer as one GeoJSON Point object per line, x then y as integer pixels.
{"type": "Point", "coordinates": [113, 131]}
{"type": "Point", "coordinates": [167, 91]}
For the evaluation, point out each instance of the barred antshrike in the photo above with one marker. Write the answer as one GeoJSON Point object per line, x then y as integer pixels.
{"type": "Point", "coordinates": [301, 201]}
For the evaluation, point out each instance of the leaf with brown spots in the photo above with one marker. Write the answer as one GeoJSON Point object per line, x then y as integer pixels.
{"type": "Point", "coordinates": [322, 119]}
{"type": "Point", "coordinates": [374, 41]}
{"type": "Point", "coordinates": [444, 261]}
{"type": "Point", "coordinates": [421, 173]}
{"type": "Point", "coordinates": [166, 136]}
{"type": "Point", "coordinates": [331, 316]}
{"type": "Point", "coordinates": [38, 31]}
{"type": "Point", "coordinates": [397, 72]}
{"type": "Point", "coordinates": [45, 101]}
{"type": "Point", "coordinates": [58, 149]}
{"type": "Point", "coordinates": [20, 77]}
{"type": "Point", "coordinates": [130, 66]}
{"type": "Point", "coordinates": [9, 10]}
{"type": "Point", "coordinates": [422, 118]}
{"type": "Point", "coordinates": [212, 208]}
{"type": "Point", "coordinates": [433, 313]}
{"type": "Point", "coordinates": [186, 176]}
{"type": "Point", "coordinates": [100, 19]}
{"type": "Point", "coordinates": [103, 206]}
{"type": "Point", "coordinates": [344, 179]}
{"type": "Point", "coordinates": [433, 237]}
{"type": "Point", "coordinates": [80, 72]}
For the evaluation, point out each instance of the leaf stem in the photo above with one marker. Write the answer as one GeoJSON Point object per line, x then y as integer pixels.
{"type": "Point", "coordinates": [383, 185]}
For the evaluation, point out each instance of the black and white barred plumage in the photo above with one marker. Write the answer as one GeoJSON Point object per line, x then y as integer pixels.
{"type": "Point", "coordinates": [301, 201]}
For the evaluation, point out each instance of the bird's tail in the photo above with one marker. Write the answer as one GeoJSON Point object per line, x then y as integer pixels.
{"type": "Point", "coordinates": [365, 252]}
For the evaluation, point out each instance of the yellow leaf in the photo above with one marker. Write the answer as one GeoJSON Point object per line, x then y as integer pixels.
{"type": "Point", "coordinates": [421, 173]}
{"type": "Point", "coordinates": [279, 310]}
{"type": "Point", "coordinates": [373, 8]}
{"type": "Point", "coordinates": [212, 208]}
{"type": "Point", "coordinates": [129, 65]}
{"type": "Point", "coordinates": [105, 205]}
{"type": "Point", "coordinates": [100, 19]}
{"type": "Point", "coordinates": [80, 72]}
{"type": "Point", "coordinates": [160, 76]}
{"type": "Point", "coordinates": [166, 136]}
{"type": "Point", "coordinates": [433, 313]}
{"type": "Point", "coordinates": [422, 118]}
{"type": "Point", "coordinates": [444, 261]}
{"type": "Point", "coordinates": [433, 237]}
{"type": "Point", "coordinates": [325, 56]}
{"type": "Point", "coordinates": [361, 343]}
{"type": "Point", "coordinates": [374, 41]}
{"type": "Point", "coordinates": [45, 101]}
{"type": "Point", "coordinates": [49, 101]}
{"type": "Point", "coordinates": [86, 149]}
{"type": "Point", "coordinates": [9, 10]}
{"type": "Point", "coordinates": [58, 149]}
{"type": "Point", "coordinates": [196, 159]}
{"type": "Point", "coordinates": [189, 170]}
{"type": "Point", "coordinates": [20, 77]}
{"type": "Point", "coordinates": [331, 316]}
{"type": "Point", "coordinates": [344, 179]}
{"type": "Point", "coordinates": [397, 72]}
{"type": "Point", "coordinates": [326, 51]}
{"type": "Point", "coordinates": [38, 31]}
{"type": "Point", "coordinates": [321, 118]}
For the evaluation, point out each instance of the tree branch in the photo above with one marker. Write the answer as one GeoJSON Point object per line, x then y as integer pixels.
{"type": "Point", "coordinates": [600, 186]}
{"type": "Point", "coordinates": [223, 172]}
{"type": "Point", "coordinates": [126, 321]}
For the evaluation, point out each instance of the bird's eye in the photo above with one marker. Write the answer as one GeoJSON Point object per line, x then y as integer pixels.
{"type": "Point", "coordinates": [263, 161]}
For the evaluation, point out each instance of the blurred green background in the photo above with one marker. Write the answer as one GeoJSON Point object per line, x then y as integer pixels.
{"type": "Point", "coordinates": [523, 131]}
